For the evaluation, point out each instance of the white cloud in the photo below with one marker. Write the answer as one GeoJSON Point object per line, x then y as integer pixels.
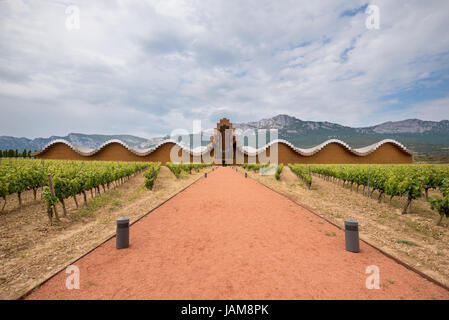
{"type": "Point", "coordinates": [433, 110]}
{"type": "Point", "coordinates": [148, 67]}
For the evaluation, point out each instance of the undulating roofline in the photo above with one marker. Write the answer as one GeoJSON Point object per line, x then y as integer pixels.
{"type": "Point", "coordinates": [364, 151]}
{"type": "Point", "coordinates": [86, 152]}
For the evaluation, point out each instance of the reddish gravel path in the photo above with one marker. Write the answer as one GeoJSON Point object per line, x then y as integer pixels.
{"type": "Point", "coordinates": [227, 237]}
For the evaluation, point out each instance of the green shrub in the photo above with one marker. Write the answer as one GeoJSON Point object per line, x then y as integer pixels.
{"type": "Point", "coordinates": [186, 167]}
{"type": "Point", "coordinates": [277, 175]}
{"type": "Point", "coordinates": [151, 175]}
{"type": "Point", "coordinates": [175, 168]}
{"type": "Point", "coordinates": [254, 167]}
{"type": "Point", "coordinates": [49, 199]}
{"type": "Point", "coordinates": [441, 205]}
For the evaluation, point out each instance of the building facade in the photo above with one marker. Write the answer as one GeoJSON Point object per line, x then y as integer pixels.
{"type": "Point", "coordinates": [224, 148]}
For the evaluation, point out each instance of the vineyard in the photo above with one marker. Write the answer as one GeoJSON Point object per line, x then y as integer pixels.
{"type": "Point", "coordinates": [253, 167]}
{"type": "Point", "coordinates": [409, 181]}
{"type": "Point", "coordinates": [64, 179]}
{"type": "Point", "coordinates": [65, 183]}
{"type": "Point", "coordinates": [279, 168]}
{"type": "Point", "coordinates": [302, 172]}
{"type": "Point", "coordinates": [177, 169]}
{"type": "Point", "coordinates": [87, 198]}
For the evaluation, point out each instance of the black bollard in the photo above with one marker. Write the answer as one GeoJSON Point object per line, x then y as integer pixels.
{"type": "Point", "coordinates": [205, 174]}
{"type": "Point", "coordinates": [246, 175]}
{"type": "Point", "coordinates": [352, 235]}
{"type": "Point", "coordinates": [122, 237]}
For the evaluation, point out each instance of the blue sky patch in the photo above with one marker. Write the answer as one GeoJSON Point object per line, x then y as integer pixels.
{"type": "Point", "coordinates": [353, 12]}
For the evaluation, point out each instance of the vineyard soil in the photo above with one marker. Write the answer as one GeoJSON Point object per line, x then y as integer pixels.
{"type": "Point", "coordinates": [31, 250]}
{"type": "Point", "coordinates": [413, 238]}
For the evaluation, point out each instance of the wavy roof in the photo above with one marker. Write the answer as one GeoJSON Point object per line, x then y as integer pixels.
{"type": "Point", "coordinates": [247, 150]}
{"type": "Point", "coordinates": [311, 151]}
{"type": "Point", "coordinates": [86, 152]}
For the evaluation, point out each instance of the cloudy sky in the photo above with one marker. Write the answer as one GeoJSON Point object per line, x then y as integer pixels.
{"type": "Point", "coordinates": [147, 67]}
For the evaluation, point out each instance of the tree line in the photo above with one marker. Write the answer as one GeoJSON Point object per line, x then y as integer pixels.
{"type": "Point", "coordinates": [11, 153]}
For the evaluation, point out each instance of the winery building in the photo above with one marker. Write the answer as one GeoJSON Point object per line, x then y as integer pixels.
{"type": "Point", "coordinates": [225, 148]}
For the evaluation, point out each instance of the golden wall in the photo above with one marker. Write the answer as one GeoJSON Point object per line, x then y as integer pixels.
{"type": "Point", "coordinates": [331, 153]}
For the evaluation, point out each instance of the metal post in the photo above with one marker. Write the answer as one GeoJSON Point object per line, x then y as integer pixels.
{"type": "Point", "coordinates": [246, 175]}
{"type": "Point", "coordinates": [352, 235]}
{"type": "Point", "coordinates": [122, 237]}
{"type": "Point", "coordinates": [205, 174]}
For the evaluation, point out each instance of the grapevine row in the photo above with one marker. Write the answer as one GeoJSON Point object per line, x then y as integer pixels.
{"type": "Point", "coordinates": [302, 172]}
{"type": "Point", "coordinates": [187, 167]}
{"type": "Point", "coordinates": [254, 167]}
{"type": "Point", "coordinates": [279, 168]}
{"type": "Point", "coordinates": [70, 178]}
{"type": "Point", "coordinates": [411, 181]}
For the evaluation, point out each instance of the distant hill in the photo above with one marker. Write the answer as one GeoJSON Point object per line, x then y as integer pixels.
{"type": "Point", "coordinates": [423, 137]}
{"type": "Point", "coordinates": [91, 141]}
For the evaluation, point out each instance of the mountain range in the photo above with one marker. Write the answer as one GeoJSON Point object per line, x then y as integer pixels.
{"type": "Point", "coordinates": [422, 137]}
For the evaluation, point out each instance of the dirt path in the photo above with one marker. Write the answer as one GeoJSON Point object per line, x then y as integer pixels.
{"type": "Point", "coordinates": [227, 237]}
{"type": "Point", "coordinates": [31, 250]}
